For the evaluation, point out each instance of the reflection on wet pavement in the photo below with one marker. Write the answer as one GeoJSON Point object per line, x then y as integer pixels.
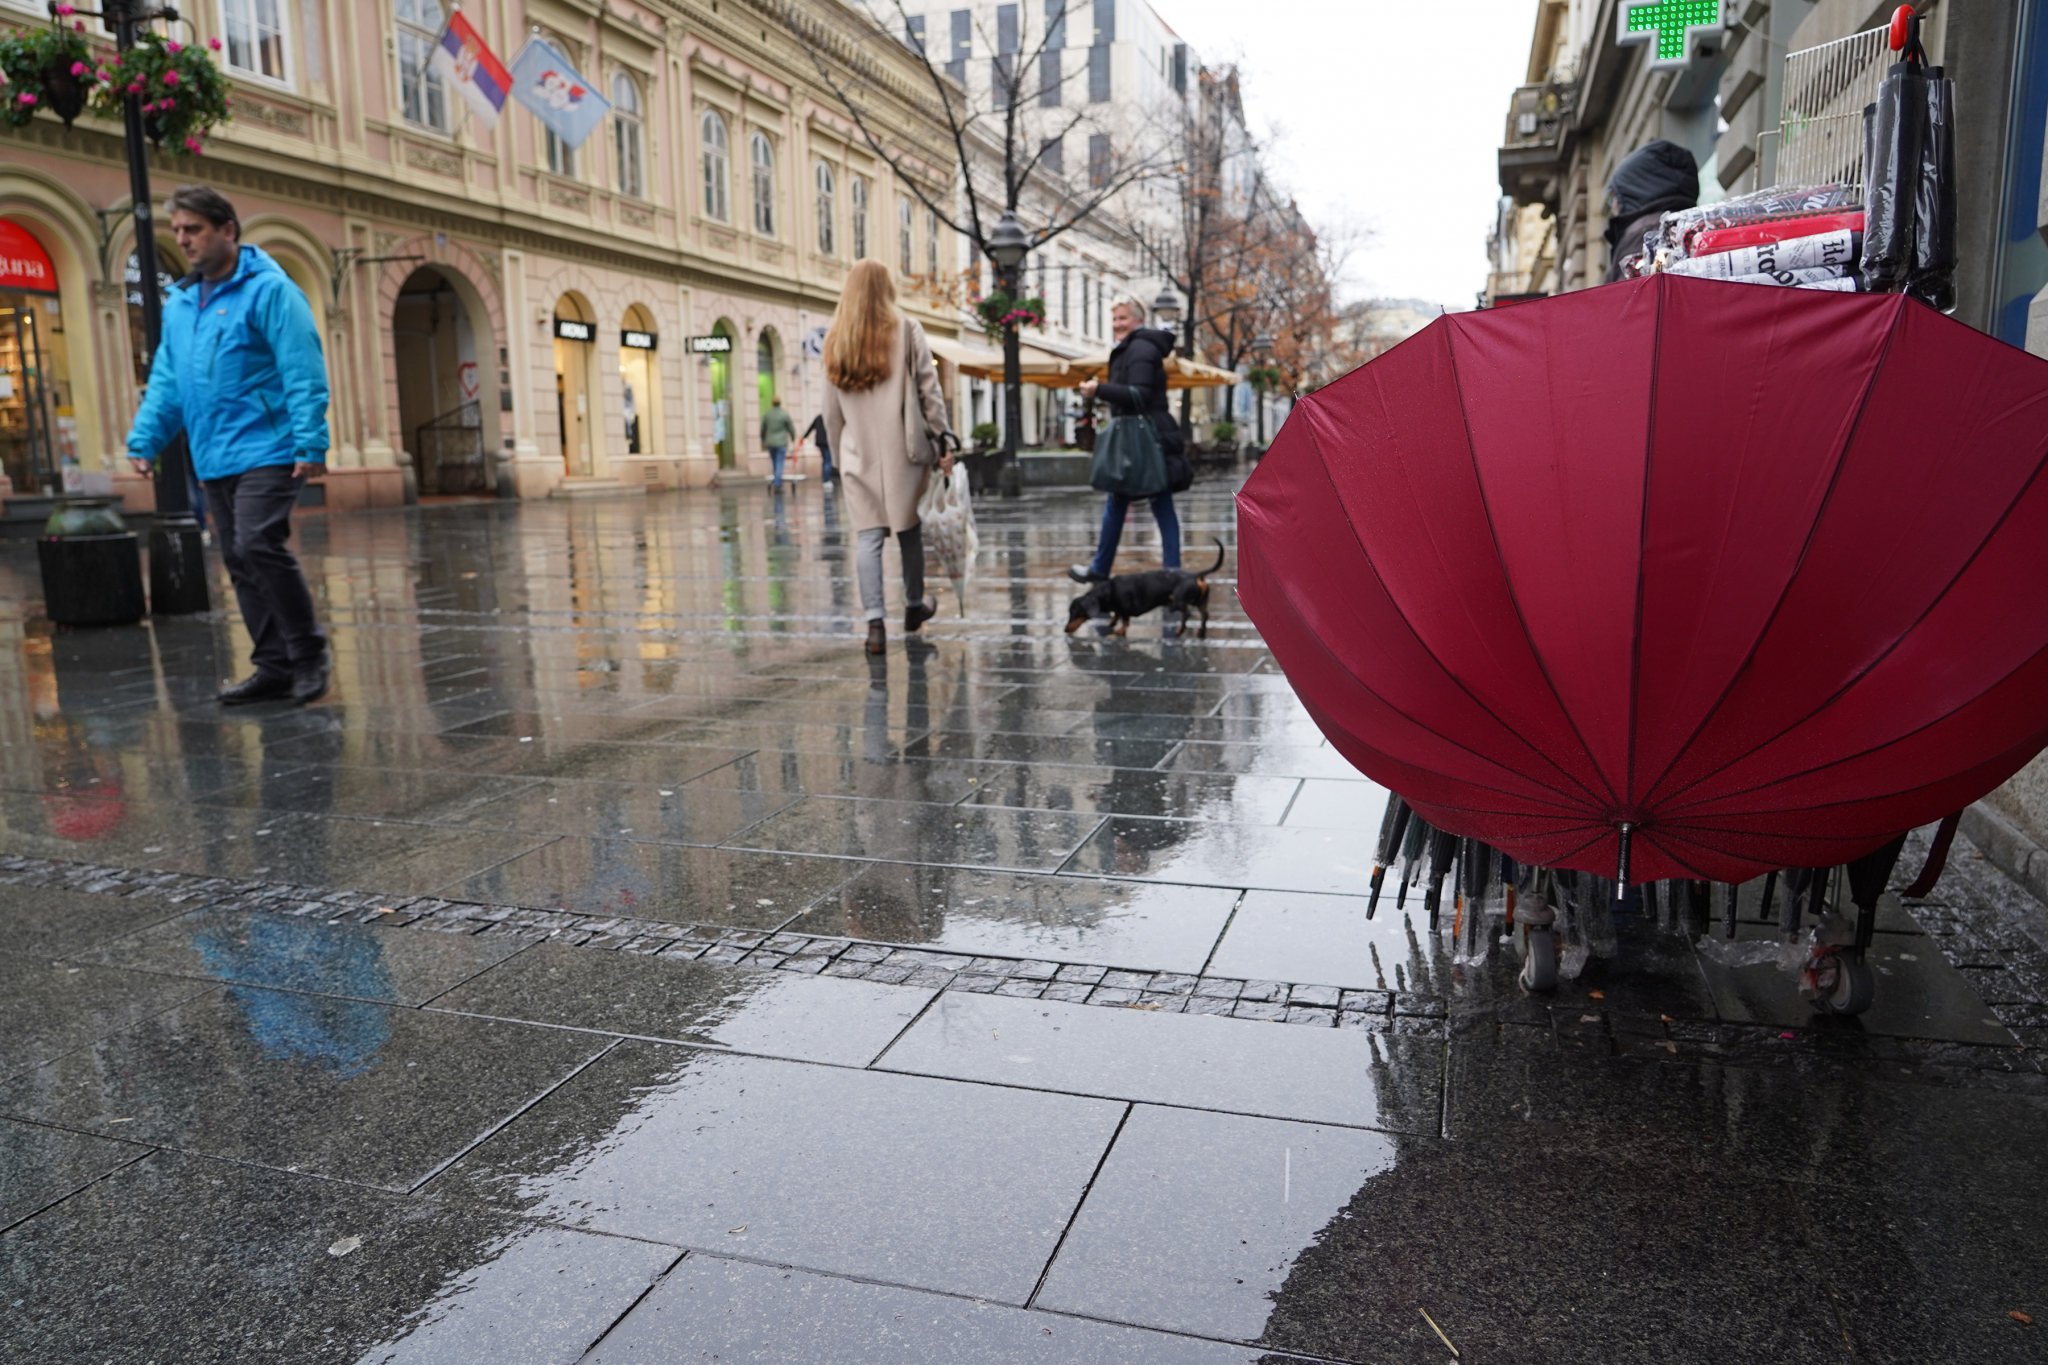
{"type": "Point", "coordinates": [622, 967]}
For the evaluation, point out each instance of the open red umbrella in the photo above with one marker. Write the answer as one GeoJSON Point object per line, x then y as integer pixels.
{"type": "Point", "coordinates": [1760, 573]}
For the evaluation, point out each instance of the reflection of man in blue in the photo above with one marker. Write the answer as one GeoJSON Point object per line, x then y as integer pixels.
{"type": "Point", "coordinates": [340, 1036]}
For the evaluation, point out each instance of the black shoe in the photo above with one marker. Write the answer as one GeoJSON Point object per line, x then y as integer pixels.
{"type": "Point", "coordinates": [878, 639]}
{"type": "Point", "coordinates": [261, 687]}
{"type": "Point", "coordinates": [1085, 573]}
{"type": "Point", "coordinates": [310, 685]}
{"type": "Point", "coordinates": [917, 613]}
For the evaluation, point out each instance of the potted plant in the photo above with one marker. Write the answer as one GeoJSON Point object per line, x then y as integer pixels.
{"type": "Point", "coordinates": [984, 435]}
{"type": "Point", "coordinates": [184, 96]}
{"type": "Point", "coordinates": [1223, 435]}
{"type": "Point", "coordinates": [46, 68]}
{"type": "Point", "coordinates": [998, 310]}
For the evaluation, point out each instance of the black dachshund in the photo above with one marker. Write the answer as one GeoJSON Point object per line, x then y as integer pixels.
{"type": "Point", "coordinates": [1133, 594]}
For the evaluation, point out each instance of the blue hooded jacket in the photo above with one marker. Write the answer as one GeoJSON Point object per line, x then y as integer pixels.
{"type": "Point", "coordinates": [244, 379]}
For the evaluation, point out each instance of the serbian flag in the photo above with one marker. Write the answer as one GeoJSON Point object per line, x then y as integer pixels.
{"type": "Point", "coordinates": [472, 69]}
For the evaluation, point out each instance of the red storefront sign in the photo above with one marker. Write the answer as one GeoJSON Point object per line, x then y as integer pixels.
{"type": "Point", "coordinates": [23, 262]}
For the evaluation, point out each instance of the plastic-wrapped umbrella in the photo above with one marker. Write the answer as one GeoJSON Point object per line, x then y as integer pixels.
{"type": "Point", "coordinates": [1729, 577]}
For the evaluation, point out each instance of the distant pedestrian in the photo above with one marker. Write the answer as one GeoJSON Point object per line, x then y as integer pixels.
{"type": "Point", "coordinates": [1136, 386]}
{"type": "Point", "coordinates": [815, 432]}
{"type": "Point", "coordinates": [881, 385]}
{"type": "Point", "coordinates": [778, 433]}
{"type": "Point", "coordinates": [240, 374]}
{"type": "Point", "coordinates": [1650, 182]}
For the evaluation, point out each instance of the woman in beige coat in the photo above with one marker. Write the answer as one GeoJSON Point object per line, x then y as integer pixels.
{"type": "Point", "coordinates": [882, 396]}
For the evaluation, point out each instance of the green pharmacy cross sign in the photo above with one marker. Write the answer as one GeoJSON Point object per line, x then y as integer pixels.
{"type": "Point", "coordinates": [1671, 23]}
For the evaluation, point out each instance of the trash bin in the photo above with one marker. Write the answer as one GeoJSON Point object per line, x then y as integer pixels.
{"type": "Point", "coordinates": [92, 565]}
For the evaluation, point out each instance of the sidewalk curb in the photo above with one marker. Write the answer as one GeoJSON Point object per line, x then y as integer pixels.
{"type": "Point", "coordinates": [2009, 849]}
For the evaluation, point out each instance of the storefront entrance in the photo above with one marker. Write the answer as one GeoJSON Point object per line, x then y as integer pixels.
{"type": "Point", "coordinates": [575, 340]}
{"type": "Point", "coordinates": [38, 432]}
{"type": "Point", "coordinates": [639, 393]}
{"type": "Point", "coordinates": [439, 386]}
{"type": "Point", "coordinates": [721, 399]}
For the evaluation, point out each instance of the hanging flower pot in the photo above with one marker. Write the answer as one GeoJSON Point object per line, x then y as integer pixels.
{"type": "Point", "coordinates": [183, 93]}
{"type": "Point", "coordinates": [65, 86]}
{"type": "Point", "coordinates": [45, 68]}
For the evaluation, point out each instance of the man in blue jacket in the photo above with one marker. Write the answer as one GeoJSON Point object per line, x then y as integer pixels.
{"type": "Point", "coordinates": [240, 374]}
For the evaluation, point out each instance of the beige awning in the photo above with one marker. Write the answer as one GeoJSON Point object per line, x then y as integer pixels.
{"type": "Point", "coordinates": [1036, 366]}
{"type": "Point", "coordinates": [1181, 373]}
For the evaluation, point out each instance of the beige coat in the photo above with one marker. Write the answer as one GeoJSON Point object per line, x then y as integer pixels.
{"type": "Point", "coordinates": [882, 486]}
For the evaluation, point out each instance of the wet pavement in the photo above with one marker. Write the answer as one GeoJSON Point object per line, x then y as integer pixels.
{"type": "Point", "coordinates": [621, 967]}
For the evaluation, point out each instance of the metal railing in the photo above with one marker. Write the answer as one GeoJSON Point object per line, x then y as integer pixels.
{"type": "Point", "coordinates": [451, 452]}
{"type": "Point", "coordinates": [1820, 131]}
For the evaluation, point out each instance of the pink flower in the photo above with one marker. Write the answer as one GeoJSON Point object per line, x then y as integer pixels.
{"type": "Point", "coordinates": [78, 68]}
{"type": "Point", "coordinates": [135, 87]}
{"type": "Point", "coordinates": [100, 74]}
{"type": "Point", "coordinates": [26, 98]}
{"type": "Point", "coordinates": [78, 27]}
{"type": "Point", "coordinates": [174, 47]}
{"type": "Point", "coordinates": [213, 43]}
{"type": "Point", "coordinates": [170, 78]}
{"type": "Point", "coordinates": [116, 61]}
{"type": "Point", "coordinates": [192, 145]}
{"type": "Point", "coordinates": [65, 10]}
{"type": "Point", "coordinates": [167, 104]}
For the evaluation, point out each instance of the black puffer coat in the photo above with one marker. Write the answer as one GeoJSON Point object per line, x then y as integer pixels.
{"type": "Point", "coordinates": [1137, 383]}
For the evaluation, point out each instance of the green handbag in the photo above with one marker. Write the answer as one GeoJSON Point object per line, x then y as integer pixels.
{"type": "Point", "coordinates": [1128, 460]}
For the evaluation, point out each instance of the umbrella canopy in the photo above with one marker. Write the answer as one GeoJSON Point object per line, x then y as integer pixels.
{"type": "Point", "coordinates": [1035, 367]}
{"type": "Point", "coordinates": [1761, 573]}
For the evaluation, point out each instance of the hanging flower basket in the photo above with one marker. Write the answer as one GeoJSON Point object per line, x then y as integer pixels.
{"type": "Point", "coordinates": [183, 94]}
{"type": "Point", "coordinates": [45, 68]}
{"type": "Point", "coordinates": [999, 310]}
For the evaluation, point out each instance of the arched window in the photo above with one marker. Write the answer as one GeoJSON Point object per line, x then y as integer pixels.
{"type": "Point", "coordinates": [627, 136]}
{"type": "Point", "coordinates": [763, 157]}
{"type": "Point", "coordinates": [717, 168]}
{"type": "Point", "coordinates": [860, 219]}
{"type": "Point", "coordinates": [904, 260]}
{"type": "Point", "coordinates": [828, 242]}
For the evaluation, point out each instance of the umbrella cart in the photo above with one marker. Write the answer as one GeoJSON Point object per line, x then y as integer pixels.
{"type": "Point", "coordinates": [1678, 600]}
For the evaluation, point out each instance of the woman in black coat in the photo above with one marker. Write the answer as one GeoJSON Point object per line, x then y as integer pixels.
{"type": "Point", "coordinates": [1136, 387]}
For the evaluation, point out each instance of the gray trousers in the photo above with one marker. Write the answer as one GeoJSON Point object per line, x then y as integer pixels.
{"type": "Point", "coordinates": [868, 565]}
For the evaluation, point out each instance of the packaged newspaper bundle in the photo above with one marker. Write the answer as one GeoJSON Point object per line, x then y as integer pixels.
{"type": "Point", "coordinates": [1820, 260]}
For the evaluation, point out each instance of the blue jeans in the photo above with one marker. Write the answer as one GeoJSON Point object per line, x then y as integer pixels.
{"type": "Point", "coordinates": [1113, 531]}
{"type": "Point", "coordinates": [778, 454]}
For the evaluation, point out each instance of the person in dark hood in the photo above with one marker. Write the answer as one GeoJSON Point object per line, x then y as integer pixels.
{"type": "Point", "coordinates": [1650, 182]}
{"type": "Point", "coordinates": [1136, 386]}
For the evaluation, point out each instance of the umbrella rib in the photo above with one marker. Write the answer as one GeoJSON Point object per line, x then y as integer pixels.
{"type": "Point", "coordinates": [1812, 531]}
{"type": "Point", "coordinates": [1507, 579]}
{"type": "Point", "coordinates": [1635, 643]}
{"type": "Point", "coordinates": [1649, 835]}
{"type": "Point", "coordinates": [1323, 465]}
{"type": "Point", "coordinates": [1850, 685]}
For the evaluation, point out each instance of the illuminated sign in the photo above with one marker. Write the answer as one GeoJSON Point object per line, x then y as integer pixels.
{"type": "Point", "coordinates": [1671, 25]}
{"type": "Point", "coordinates": [711, 345]}
{"type": "Point", "coordinates": [637, 341]}
{"type": "Point", "coordinates": [569, 330]}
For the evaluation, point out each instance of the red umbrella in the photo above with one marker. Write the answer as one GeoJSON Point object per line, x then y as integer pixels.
{"type": "Point", "coordinates": [1761, 574]}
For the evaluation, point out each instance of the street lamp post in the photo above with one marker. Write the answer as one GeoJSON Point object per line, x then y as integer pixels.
{"type": "Point", "coordinates": [1262, 351]}
{"type": "Point", "coordinates": [1166, 307]}
{"type": "Point", "coordinates": [177, 563]}
{"type": "Point", "coordinates": [1007, 247]}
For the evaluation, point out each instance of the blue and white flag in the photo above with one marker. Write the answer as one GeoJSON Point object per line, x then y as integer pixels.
{"type": "Point", "coordinates": [544, 82]}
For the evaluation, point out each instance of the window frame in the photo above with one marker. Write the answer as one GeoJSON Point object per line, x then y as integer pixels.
{"type": "Point", "coordinates": [906, 237]}
{"type": "Point", "coordinates": [857, 194]}
{"type": "Point", "coordinates": [715, 154]}
{"type": "Point", "coordinates": [428, 81]}
{"type": "Point", "coordinates": [761, 180]}
{"type": "Point", "coordinates": [284, 44]}
{"type": "Point", "coordinates": [826, 185]}
{"type": "Point", "coordinates": [629, 127]}
{"type": "Point", "coordinates": [931, 244]}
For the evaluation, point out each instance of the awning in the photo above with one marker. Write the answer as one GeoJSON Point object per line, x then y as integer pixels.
{"type": "Point", "coordinates": [1181, 372]}
{"type": "Point", "coordinates": [1036, 366]}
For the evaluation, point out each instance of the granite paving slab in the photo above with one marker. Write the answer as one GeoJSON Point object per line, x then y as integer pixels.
{"type": "Point", "coordinates": [918, 1182]}
{"type": "Point", "coordinates": [40, 1165]}
{"type": "Point", "coordinates": [49, 1008]}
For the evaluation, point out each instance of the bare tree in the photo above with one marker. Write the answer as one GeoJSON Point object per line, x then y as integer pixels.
{"type": "Point", "coordinates": [999, 142]}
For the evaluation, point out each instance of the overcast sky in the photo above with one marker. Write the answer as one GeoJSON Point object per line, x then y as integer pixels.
{"type": "Point", "coordinates": [1385, 113]}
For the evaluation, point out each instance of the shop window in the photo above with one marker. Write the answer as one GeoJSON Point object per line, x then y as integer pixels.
{"type": "Point", "coordinates": [762, 156]}
{"type": "Point", "coordinates": [639, 376]}
{"type": "Point", "coordinates": [827, 242]}
{"type": "Point", "coordinates": [717, 168]}
{"type": "Point", "coordinates": [253, 37]}
{"type": "Point", "coordinates": [421, 90]}
{"type": "Point", "coordinates": [628, 136]}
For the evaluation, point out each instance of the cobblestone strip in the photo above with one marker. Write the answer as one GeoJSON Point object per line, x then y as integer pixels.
{"type": "Point", "coordinates": [2000, 962]}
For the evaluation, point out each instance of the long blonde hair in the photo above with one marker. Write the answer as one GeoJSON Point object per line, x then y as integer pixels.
{"type": "Point", "coordinates": [861, 347]}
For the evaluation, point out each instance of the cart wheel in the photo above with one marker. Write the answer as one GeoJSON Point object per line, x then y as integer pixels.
{"type": "Point", "coordinates": [1539, 965]}
{"type": "Point", "coordinates": [1855, 988]}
